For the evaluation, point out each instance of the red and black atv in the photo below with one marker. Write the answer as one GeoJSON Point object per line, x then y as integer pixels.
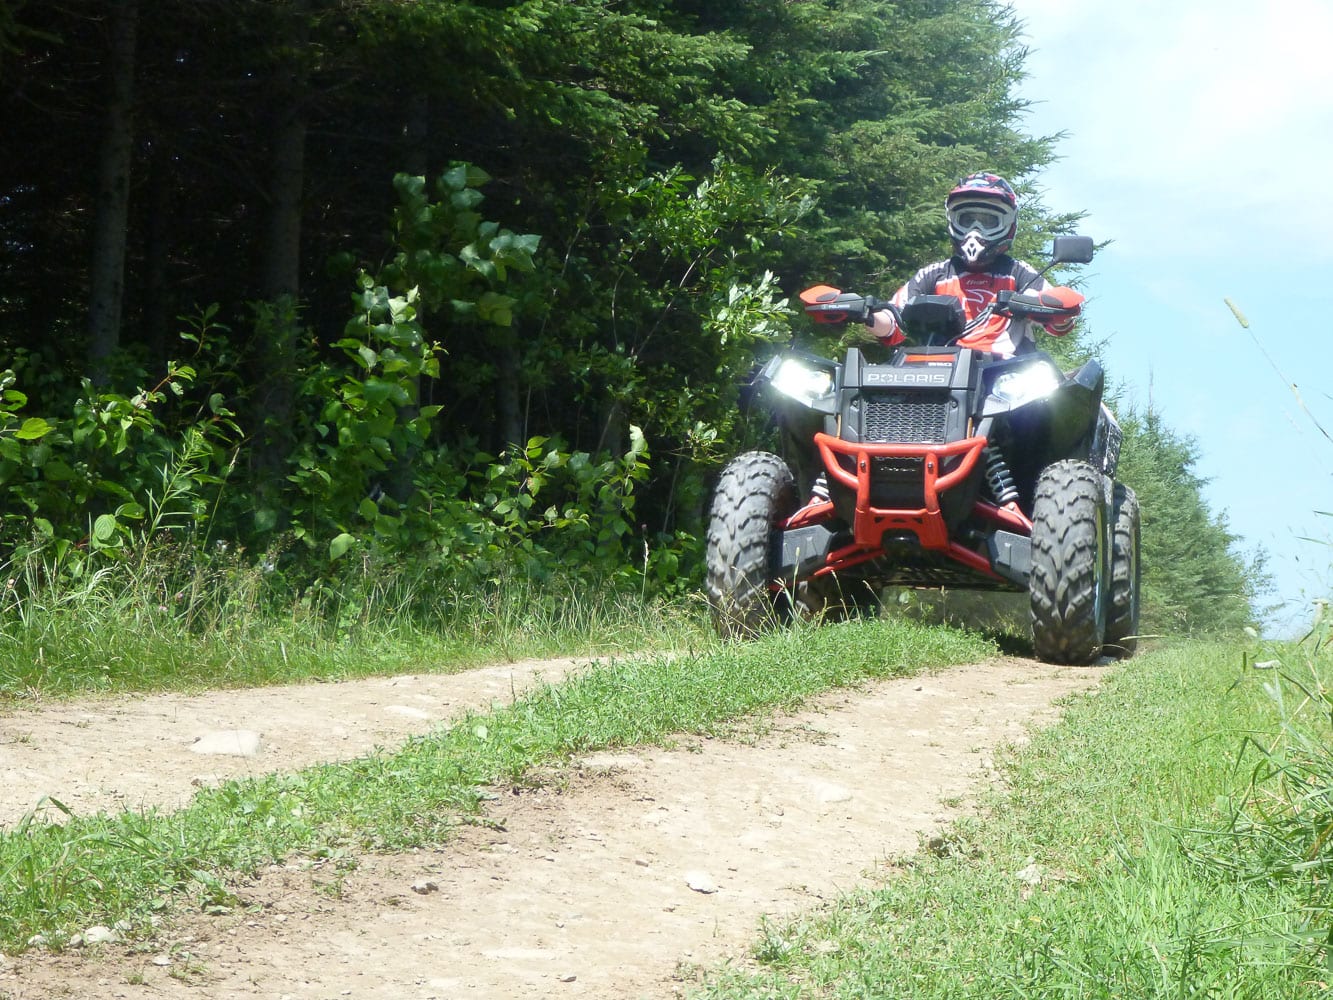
{"type": "Point", "coordinates": [943, 467]}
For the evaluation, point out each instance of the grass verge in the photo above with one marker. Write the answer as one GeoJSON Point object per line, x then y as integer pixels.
{"type": "Point", "coordinates": [58, 879]}
{"type": "Point", "coordinates": [1085, 875]}
{"type": "Point", "coordinates": [121, 631]}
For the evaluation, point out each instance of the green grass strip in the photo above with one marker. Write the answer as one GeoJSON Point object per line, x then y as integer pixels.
{"type": "Point", "coordinates": [1078, 879]}
{"type": "Point", "coordinates": [58, 879]}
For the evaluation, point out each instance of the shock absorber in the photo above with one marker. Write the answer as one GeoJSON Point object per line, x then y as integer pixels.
{"type": "Point", "coordinates": [999, 480]}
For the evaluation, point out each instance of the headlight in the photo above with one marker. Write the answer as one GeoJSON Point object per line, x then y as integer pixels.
{"type": "Point", "coordinates": [1036, 381]}
{"type": "Point", "coordinates": [802, 381]}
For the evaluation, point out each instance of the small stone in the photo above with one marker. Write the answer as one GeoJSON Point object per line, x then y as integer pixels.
{"type": "Point", "coordinates": [700, 882]}
{"type": "Point", "coordinates": [828, 793]}
{"type": "Point", "coordinates": [98, 934]}
{"type": "Point", "coordinates": [228, 743]}
{"type": "Point", "coordinates": [568, 977]}
{"type": "Point", "coordinates": [162, 960]}
{"type": "Point", "coordinates": [425, 886]}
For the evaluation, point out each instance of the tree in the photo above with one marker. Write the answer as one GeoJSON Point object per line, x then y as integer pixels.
{"type": "Point", "coordinates": [1194, 579]}
{"type": "Point", "coordinates": [113, 190]}
{"type": "Point", "coordinates": [688, 165]}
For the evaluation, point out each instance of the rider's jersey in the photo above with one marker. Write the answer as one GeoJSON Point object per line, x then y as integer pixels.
{"type": "Point", "coordinates": [977, 290]}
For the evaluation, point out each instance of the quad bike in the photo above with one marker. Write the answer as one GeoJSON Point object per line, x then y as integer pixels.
{"type": "Point", "coordinates": [943, 467]}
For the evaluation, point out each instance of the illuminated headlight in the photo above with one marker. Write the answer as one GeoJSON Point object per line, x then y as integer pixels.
{"type": "Point", "coordinates": [801, 381]}
{"type": "Point", "coordinates": [1026, 385]}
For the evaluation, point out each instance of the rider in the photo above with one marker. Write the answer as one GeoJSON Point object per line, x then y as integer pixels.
{"type": "Point", "coordinates": [982, 212]}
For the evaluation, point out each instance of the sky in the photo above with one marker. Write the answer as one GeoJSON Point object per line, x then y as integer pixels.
{"type": "Point", "coordinates": [1199, 141]}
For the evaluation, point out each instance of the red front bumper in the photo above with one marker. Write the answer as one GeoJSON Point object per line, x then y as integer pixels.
{"type": "Point", "coordinates": [927, 524]}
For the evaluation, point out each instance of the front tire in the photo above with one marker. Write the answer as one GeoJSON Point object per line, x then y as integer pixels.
{"type": "Point", "coordinates": [755, 491]}
{"type": "Point", "coordinates": [1068, 585]}
{"type": "Point", "coordinates": [1122, 624]}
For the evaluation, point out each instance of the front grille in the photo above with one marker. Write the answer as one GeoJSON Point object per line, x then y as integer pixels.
{"type": "Point", "coordinates": [898, 483]}
{"type": "Point", "coordinates": [902, 418]}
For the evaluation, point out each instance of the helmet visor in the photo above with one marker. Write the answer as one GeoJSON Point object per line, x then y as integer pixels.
{"type": "Point", "coordinates": [987, 218]}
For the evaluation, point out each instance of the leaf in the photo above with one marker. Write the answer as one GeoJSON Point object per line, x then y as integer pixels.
{"type": "Point", "coordinates": [132, 510]}
{"type": "Point", "coordinates": [104, 528]}
{"type": "Point", "coordinates": [340, 544]}
{"type": "Point", "coordinates": [33, 428]}
{"type": "Point", "coordinates": [497, 309]}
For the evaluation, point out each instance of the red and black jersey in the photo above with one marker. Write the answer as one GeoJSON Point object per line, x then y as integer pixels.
{"type": "Point", "coordinates": [977, 290]}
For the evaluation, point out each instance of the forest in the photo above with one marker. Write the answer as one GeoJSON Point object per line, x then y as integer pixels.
{"type": "Point", "coordinates": [461, 289]}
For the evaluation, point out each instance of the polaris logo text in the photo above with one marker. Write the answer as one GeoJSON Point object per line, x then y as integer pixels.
{"type": "Point", "coordinates": [907, 378]}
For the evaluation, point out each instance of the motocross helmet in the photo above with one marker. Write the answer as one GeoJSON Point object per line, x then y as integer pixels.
{"type": "Point", "coordinates": [983, 218]}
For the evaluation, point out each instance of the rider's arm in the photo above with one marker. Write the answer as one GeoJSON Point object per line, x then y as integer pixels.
{"type": "Point", "coordinates": [1057, 327]}
{"type": "Point", "coordinates": [884, 323]}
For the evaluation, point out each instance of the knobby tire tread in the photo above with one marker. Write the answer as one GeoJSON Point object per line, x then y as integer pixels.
{"type": "Point", "coordinates": [1122, 620]}
{"type": "Point", "coordinates": [1068, 563]}
{"type": "Point", "coordinates": [755, 490]}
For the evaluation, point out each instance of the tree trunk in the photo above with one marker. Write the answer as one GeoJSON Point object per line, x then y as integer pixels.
{"type": "Point", "coordinates": [508, 406]}
{"type": "Point", "coordinates": [613, 429]}
{"type": "Point", "coordinates": [416, 131]}
{"type": "Point", "coordinates": [107, 277]}
{"type": "Point", "coordinates": [282, 268]}
{"type": "Point", "coordinates": [282, 258]}
{"type": "Point", "coordinates": [157, 311]}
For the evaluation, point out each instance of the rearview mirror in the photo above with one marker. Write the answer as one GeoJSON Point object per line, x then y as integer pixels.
{"type": "Point", "coordinates": [1072, 250]}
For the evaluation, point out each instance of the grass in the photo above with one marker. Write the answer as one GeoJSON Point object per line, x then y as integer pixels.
{"type": "Point", "coordinates": [153, 626]}
{"type": "Point", "coordinates": [1087, 873]}
{"type": "Point", "coordinates": [58, 879]}
{"type": "Point", "coordinates": [1171, 837]}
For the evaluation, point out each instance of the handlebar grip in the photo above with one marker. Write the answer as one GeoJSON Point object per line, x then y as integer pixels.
{"type": "Point", "coordinates": [829, 305]}
{"type": "Point", "coordinates": [1049, 304]}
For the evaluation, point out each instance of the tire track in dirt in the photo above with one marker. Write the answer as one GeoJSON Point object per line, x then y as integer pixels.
{"type": "Point", "coordinates": [133, 752]}
{"type": "Point", "coordinates": [581, 887]}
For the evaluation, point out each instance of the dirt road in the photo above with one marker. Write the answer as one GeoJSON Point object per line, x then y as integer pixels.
{"type": "Point", "coordinates": [615, 879]}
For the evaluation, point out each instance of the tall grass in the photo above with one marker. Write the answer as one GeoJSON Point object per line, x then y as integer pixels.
{"type": "Point", "coordinates": [1280, 830]}
{"type": "Point", "coordinates": [183, 620]}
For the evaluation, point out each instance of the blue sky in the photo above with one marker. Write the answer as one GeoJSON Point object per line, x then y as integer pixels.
{"type": "Point", "coordinates": [1200, 142]}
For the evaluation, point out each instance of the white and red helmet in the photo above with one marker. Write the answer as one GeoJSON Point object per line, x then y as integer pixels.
{"type": "Point", "coordinates": [983, 218]}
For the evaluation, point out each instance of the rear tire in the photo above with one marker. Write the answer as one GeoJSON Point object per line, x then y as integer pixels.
{"type": "Point", "coordinates": [1122, 623]}
{"type": "Point", "coordinates": [1068, 586]}
{"type": "Point", "coordinates": [755, 491]}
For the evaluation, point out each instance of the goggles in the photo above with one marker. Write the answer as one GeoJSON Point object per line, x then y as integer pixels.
{"type": "Point", "coordinates": [988, 219]}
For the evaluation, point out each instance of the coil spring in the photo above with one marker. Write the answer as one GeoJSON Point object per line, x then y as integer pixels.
{"type": "Point", "coordinates": [819, 489]}
{"type": "Point", "coordinates": [999, 480]}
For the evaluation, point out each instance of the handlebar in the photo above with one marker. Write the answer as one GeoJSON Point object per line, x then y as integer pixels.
{"type": "Point", "coordinates": [1052, 304]}
{"type": "Point", "coordinates": [826, 304]}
